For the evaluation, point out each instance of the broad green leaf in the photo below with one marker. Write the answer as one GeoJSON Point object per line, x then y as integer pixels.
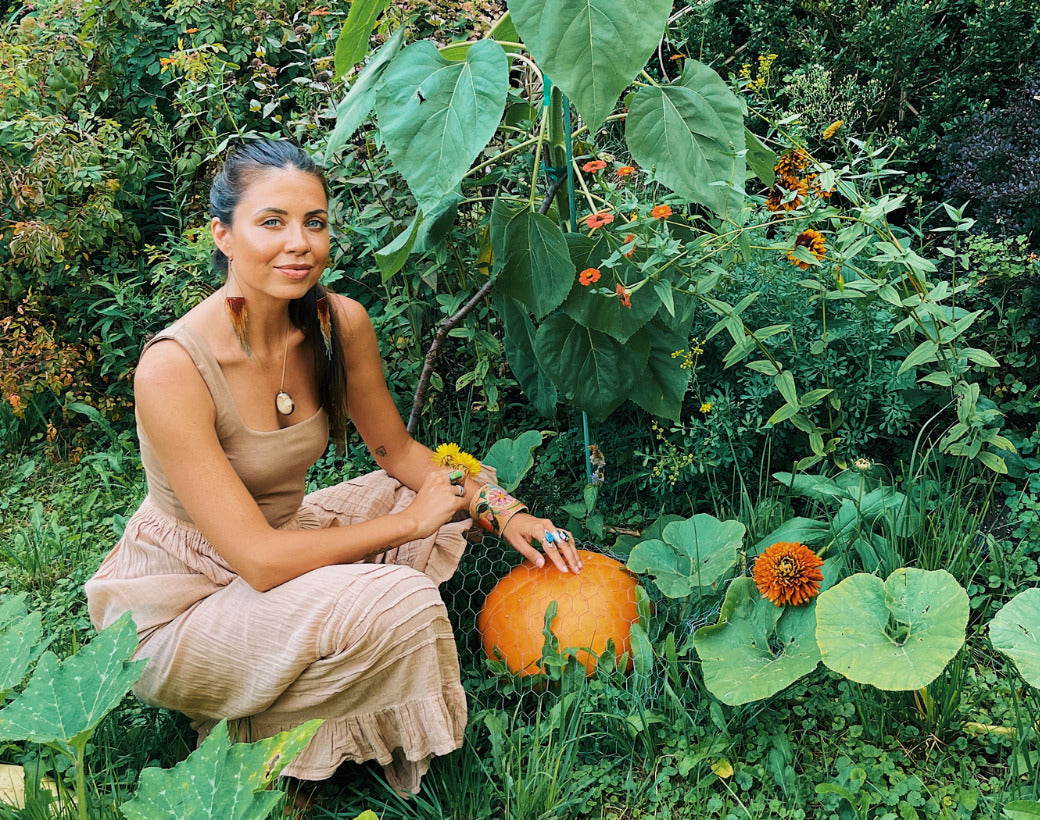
{"type": "Point", "coordinates": [689, 133]}
{"type": "Point", "coordinates": [513, 457]}
{"type": "Point", "coordinates": [593, 371]}
{"type": "Point", "coordinates": [1022, 810]}
{"type": "Point", "coordinates": [219, 779]}
{"type": "Point", "coordinates": [531, 252]}
{"type": "Point", "coordinates": [897, 634]}
{"type": "Point", "coordinates": [760, 159]}
{"type": "Point", "coordinates": [392, 256]}
{"type": "Point", "coordinates": [691, 554]}
{"type": "Point", "coordinates": [21, 641]}
{"type": "Point", "coordinates": [518, 341]}
{"type": "Point", "coordinates": [592, 49]}
{"type": "Point", "coordinates": [352, 43]}
{"type": "Point", "coordinates": [361, 99]}
{"type": "Point", "coordinates": [1015, 631]}
{"type": "Point", "coordinates": [436, 116]}
{"type": "Point", "coordinates": [757, 648]}
{"type": "Point", "coordinates": [663, 384]}
{"type": "Point", "coordinates": [65, 700]}
{"type": "Point", "coordinates": [596, 311]}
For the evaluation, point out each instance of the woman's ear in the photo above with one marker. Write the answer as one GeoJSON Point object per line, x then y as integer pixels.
{"type": "Point", "coordinates": [221, 236]}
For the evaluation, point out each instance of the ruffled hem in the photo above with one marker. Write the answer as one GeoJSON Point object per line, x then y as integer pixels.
{"type": "Point", "coordinates": [392, 737]}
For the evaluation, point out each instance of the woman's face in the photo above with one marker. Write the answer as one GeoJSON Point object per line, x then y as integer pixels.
{"type": "Point", "coordinates": [279, 237]}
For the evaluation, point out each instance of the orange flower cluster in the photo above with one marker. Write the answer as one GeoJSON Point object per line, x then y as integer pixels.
{"type": "Point", "coordinates": [788, 573]}
{"type": "Point", "coordinates": [623, 294]}
{"type": "Point", "coordinates": [593, 166]}
{"type": "Point", "coordinates": [790, 188]}
{"type": "Point", "coordinates": [661, 212]}
{"type": "Point", "coordinates": [589, 276]}
{"type": "Point", "coordinates": [813, 241]}
{"type": "Point", "coordinates": [598, 220]}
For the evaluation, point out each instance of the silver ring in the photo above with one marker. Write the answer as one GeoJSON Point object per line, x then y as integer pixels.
{"type": "Point", "coordinates": [461, 490]}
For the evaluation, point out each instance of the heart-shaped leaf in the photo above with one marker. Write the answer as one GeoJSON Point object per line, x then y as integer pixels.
{"type": "Point", "coordinates": [1015, 631]}
{"type": "Point", "coordinates": [691, 554]}
{"type": "Point", "coordinates": [531, 252]}
{"type": "Point", "coordinates": [756, 648]}
{"type": "Point", "coordinates": [691, 133]}
{"type": "Point", "coordinates": [436, 115]}
{"type": "Point", "coordinates": [661, 389]}
{"type": "Point", "coordinates": [21, 641]}
{"type": "Point", "coordinates": [594, 372]}
{"type": "Point", "coordinates": [519, 335]}
{"type": "Point", "coordinates": [513, 457]}
{"type": "Point", "coordinates": [897, 634]}
{"type": "Point", "coordinates": [592, 49]}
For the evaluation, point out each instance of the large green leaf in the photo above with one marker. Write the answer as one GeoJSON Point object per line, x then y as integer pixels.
{"type": "Point", "coordinates": [361, 99]}
{"type": "Point", "coordinates": [756, 648]}
{"type": "Point", "coordinates": [661, 389]}
{"type": "Point", "coordinates": [593, 371]}
{"type": "Point", "coordinates": [219, 779]}
{"type": "Point", "coordinates": [691, 554]}
{"type": "Point", "coordinates": [535, 266]}
{"type": "Point", "coordinates": [436, 115]}
{"type": "Point", "coordinates": [65, 700]}
{"type": "Point", "coordinates": [801, 530]}
{"type": "Point", "coordinates": [513, 457]}
{"type": "Point", "coordinates": [1015, 631]}
{"type": "Point", "coordinates": [518, 341]}
{"type": "Point", "coordinates": [689, 133]}
{"type": "Point", "coordinates": [21, 641]}
{"type": "Point", "coordinates": [897, 634]}
{"type": "Point", "coordinates": [352, 43]}
{"type": "Point", "coordinates": [592, 49]}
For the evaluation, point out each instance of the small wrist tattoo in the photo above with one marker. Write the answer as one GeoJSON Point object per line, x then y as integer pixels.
{"type": "Point", "coordinates": [380, 451]}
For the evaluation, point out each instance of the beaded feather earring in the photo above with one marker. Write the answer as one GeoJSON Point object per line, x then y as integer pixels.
{"type": "Point", "coordinates": [325, 324]}
{"type": "Point", "coordinates": [237, 313]}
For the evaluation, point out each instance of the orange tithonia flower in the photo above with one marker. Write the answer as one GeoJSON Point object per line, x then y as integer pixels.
{"type": "Point", "coordinates": [661, 212]}
{"type": "Point", "coordinates": [625, 170]}
{"type": "Point", "coordinates": [811, 240]}
{"type": "Point", "coordinates": [589, 276]}
{"type": "Point", "coordinates": [624, 295]}
{"type": "Point", "coordinates": [594, 165]}
{"type": "Point", "coordinates": [599, 220]}
{"type": "Point", "coordinates": [788, 573]}
{"type": "Point", "coordinates": [630, 237]}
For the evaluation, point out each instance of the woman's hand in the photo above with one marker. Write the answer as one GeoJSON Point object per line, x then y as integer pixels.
{"type": "Point", "coordinates": [435, 504]}
{"type": "Point", "coordinates": [523, 529]}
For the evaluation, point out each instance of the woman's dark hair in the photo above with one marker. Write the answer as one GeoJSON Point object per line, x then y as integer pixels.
{"type": "Point", "coordinates": [237, 174]}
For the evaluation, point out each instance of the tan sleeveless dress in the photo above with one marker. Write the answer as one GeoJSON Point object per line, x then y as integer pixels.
{"type": "Point", "coordinates": [367, 647]}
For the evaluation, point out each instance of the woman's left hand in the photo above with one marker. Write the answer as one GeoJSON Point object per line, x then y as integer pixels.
{"type": "Point", "coordinates": [523, 529]}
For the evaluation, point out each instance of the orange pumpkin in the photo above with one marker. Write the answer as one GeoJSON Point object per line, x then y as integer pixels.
{"type": "Point", "coordinates": [597, 604]}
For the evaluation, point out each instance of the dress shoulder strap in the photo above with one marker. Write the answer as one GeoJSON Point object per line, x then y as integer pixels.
{"type": "Point", "coordinates": [195, 344]}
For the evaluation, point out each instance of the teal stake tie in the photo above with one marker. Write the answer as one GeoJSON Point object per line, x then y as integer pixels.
{"type": "Point", "coordinates": [569, 148]}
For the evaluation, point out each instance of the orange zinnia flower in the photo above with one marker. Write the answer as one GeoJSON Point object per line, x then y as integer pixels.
{"type": "Point", "coordinates": [599, 220]}
{"type": "Point", "coordinates": [623, 295]}
{"type": "Point", "coordinates": [661, 212]}
{"type": "Point", "coordinates": [630, 237]}
{"type": "Point", "coordinates": [589, 276]}
{"type": "Point", "coordinates": [625, 170]}
{"type": "Point", "coordinates": [592, 166]}
{"type": "Point", "coordinates": [788, 573]}
{"type": "Point", "coordinates": [813, 241]}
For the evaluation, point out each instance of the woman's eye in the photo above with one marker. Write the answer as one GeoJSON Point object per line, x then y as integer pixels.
{"type": "Point", "coordinates": [271, 223]}
{"type": "Point", "coordinates": [317, 224]}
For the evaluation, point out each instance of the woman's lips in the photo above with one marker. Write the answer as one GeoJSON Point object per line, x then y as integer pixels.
{"type": "Point", "coordinates": [295, 272]}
